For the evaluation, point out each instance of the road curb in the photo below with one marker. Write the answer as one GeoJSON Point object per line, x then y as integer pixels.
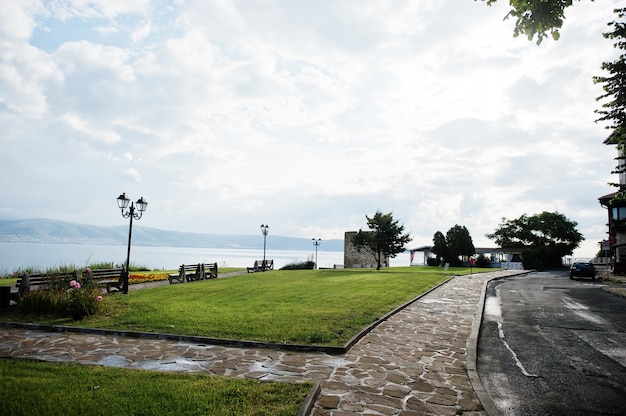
{"type": "Point", "coordinates": [472, 348]}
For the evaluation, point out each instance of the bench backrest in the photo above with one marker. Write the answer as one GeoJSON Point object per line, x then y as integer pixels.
{"type": "Point", "coordinates": [210, 270]}
{"type": "Point", "coordinates": [103, 274]}
{"type": "Point", "coordinates": [200, 270]}
{"type": "Point", "coordinates": [26, 281]}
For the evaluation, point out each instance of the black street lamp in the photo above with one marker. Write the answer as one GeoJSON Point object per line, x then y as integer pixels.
{"type": "Point", "coordinates": [122, 203]}
{"type": "Point", "coordinates": [264, 230]}
{"type": "Point", "coordinates": [316, 243]}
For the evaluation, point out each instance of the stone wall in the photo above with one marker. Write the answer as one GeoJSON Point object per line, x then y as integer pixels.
{"type": "Point", "coordinates": [352, 258]}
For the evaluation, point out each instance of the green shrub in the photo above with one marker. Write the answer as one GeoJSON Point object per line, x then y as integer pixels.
{"type": "Point", "coordinates": [42, 302]}
{"type": "Point", "coordinates": [63, 299]}
{"type": "Point", "coordinates": [112, 265]}
{"type": "Point", "coordinates": [82, 301]}
{"type": "Point", "coordinates": [101, 265]}
{"type": "Point", "coordinates": [483, 261]}
{"type": "Point", "coordinates": [303, 265]}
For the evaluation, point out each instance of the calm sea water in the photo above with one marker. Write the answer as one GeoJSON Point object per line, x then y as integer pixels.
{"type": "Point", "coordinates": [40, 255]}
{"type": "Point", "coordinates": [14, 256]}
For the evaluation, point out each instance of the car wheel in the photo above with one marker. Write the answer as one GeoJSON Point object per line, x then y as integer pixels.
{"type": "Point", "coordinates": [571, 276]}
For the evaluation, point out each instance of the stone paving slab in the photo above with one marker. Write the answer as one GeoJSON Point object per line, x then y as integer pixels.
{"type": "Point", "coordinates": [412, 364]}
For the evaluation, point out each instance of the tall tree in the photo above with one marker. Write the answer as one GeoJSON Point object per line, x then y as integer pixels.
{"type": "Point", "coordinates": [547, 237]}
{"type": "Point", "coordinates": [440, 247]}
{"type": "Point", "coordinates": [385, 238]}
{"type": "Point", "coordinates": [614, 85]}
{"type": "Point", "coordinates": [459, 242]}
{"type": "Point", "coordinates": [537, 17]}
{"type": "Point", "coordinates": [456, 243]}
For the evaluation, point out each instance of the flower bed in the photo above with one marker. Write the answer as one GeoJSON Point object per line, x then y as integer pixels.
{"type": "Point", "coordinates": [146, 277]}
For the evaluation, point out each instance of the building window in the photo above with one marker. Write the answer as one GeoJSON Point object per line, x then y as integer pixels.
{"type": "Point", "coordinates": [618, 213]}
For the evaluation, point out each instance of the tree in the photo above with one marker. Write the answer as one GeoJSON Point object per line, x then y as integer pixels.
{"type": "Point", "coordinates": [385, 238]}
{"type": "Point", "coordinates": [456, 243]}
{"type": "Point", "coordinates": [459, 242]}
{"type": "Point", "coordinates": [537, 17]}
{"type": "Point", "coordinates": [546, 237]}
{"type": "Point", "coordinates": [440, 247]}
{"type": "Point", "coordinates": [614, 109]}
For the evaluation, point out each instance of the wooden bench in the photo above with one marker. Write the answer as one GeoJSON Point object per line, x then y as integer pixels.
{"type": "Point", "coordinates": [210, 270]}
{"type": "Point", "coordinates": [186, 273]}
{"type": "Point", "coordinates": [258, 265]}
{"type": "Point", "coordinates": [261, 266]}
{"type": "Point", "coordinates": [194, 272]}
{"type": "Point", "coordinates": [28, 282]}
{"type": "Point", "coordinates": [110, 278]}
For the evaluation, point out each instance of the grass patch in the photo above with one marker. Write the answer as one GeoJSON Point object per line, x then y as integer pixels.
{"type": "Point", "coordinates": [321, 307]}
{"type": "Point", "coordinates": [66, 389]}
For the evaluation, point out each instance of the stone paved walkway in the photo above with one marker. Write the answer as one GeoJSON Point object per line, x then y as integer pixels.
{"type": "Point", "coordinates": [412, 364]}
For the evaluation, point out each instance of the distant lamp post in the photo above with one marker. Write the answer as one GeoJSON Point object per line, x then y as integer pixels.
{"type": "Point", "coordinates": [316, 243]}
{"type": "Point", "coordinates": [131, 212]}
{"type": "Point", "coordinates": [264, 230]}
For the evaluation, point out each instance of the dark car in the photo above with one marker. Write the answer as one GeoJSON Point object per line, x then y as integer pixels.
{"type": "Point", "coordinates": [580, 269]}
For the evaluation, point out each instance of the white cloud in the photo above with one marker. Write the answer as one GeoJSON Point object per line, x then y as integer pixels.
{"type": "Point", "coordinates": [79, 125]}
{"type": "Point", "coordinates": [307, 116]}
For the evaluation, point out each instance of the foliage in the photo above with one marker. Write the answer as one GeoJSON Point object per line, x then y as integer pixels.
{"type": "Point", "coordinates": [459, 242]}
{"type": "Point", "coordinates": [614, 85]}
{"type": "Point", "coordinates": [111, 265]}
{"type": "Point", "coordinates": [432, 261]}
{"type": "Point", "coordinates": [483, 261]}
{"type": "Point", "coordinates": [42, 302]}
{"type": "Point", "coordinates": [440, 248]}
{"type": "Point", "coordinates": [551, 235]}
{"type": "Point", "coordinates": [385, 238]}
{"type": "Point", "coordinates": [82, 301]}
{"type": "Point", "coordinates": [537, 17]}
{"type": "Point", "coordinates": [302, 265]}
{"type": "Point", "coordinates": [456, 243]}
{"type": "Point", "coordinates": [540, 258]}
{"type": "Point", "coordinates": [62, 298]}
{"type": "Point", "coordinates": [302, 306]}
{"type": "Point", "coordinates": [61, 389]}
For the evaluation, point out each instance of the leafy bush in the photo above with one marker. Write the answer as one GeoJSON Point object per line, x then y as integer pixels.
{"type": "Point", "coordinates": [303, 265]}
{"type": "Point", "coordinates": [63, 299]}
{"type": "Point", "coordinates": [82, 301]}
{"type": "Point", "coordinates": [483, 261]}
{"type": "Point", "coordinates": [455, 262]}
{"type": "Point", "coordinates": [41, 302]}
{"type": "Point", "coordinates": [541, 258]}
{"type": "Point", "coordinates": [432, 261]}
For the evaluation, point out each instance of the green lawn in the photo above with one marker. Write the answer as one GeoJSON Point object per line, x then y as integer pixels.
{"type": "Point", "coordinates": [66, 389]}
{"type": "Point", "coordinates": [322, 307]}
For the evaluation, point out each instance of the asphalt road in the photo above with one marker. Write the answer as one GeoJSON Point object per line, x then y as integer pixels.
{"type": "Point", "coordinates": [553, 346]}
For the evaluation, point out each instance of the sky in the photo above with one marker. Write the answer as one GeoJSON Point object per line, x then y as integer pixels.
{"type": "Point", "coordinates": [306, 116]}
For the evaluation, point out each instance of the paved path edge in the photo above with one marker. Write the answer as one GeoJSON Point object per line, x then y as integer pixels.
{"type": "Point", "coordinates": [472, 349]}
{"type": "Point", "coordinates": [309, 402]}
{"type": "Point", "coordinates": [328, 349]}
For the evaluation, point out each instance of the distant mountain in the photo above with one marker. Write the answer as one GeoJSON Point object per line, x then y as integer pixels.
{"type": "Point", "coordinates": [51, 231]}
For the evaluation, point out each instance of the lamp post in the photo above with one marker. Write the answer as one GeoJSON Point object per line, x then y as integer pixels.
{"type": "Point", "coordinates": [316, 243]}
{"type": "Point", "coordinates": [122, 203]}
{"type": "Point", "coordinates": [264, 230]}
